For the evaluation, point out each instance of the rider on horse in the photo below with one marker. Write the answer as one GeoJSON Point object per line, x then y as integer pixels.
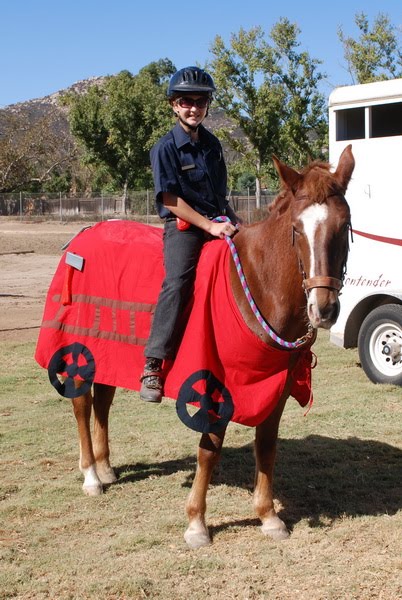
{"type": "Point", "coordinates": [190, 188]}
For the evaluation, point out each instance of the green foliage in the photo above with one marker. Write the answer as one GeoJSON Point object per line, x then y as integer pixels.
{"type": "Point", "coordinates": [376, 54]}
{"type": "Point", "coordinates": [269, 90]}
{"type": "Point", "coordinates": [118, 123]}
{"type": "Point", "coordinates": [59, 182]}
{"type": "Point", "coordinates": [246, 181]}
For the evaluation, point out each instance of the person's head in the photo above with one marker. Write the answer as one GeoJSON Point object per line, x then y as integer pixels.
{"type": "Point", "coordinates": [190, 93]}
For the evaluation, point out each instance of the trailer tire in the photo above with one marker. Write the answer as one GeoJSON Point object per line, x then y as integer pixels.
{"type": "Point", "coordinates": [382, 330]}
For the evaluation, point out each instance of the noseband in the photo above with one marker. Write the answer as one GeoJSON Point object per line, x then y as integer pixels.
{"type": "Point", "coordinates": [322, 281]}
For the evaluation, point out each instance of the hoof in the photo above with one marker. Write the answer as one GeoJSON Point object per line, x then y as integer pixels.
{"type": "Point", "coordinates": [275, 529]}
{"type": "Point", "coordinates": [93, 490]}
{"type": "Point", "coordinates": [197, 539]}
{"type": "Point", "coordinates": [92, 485]}
{"type": "Point", "coordinates": [106, 474]}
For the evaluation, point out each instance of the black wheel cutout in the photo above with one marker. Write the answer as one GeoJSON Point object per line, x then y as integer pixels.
{"type": "Point", "coordinates": [71, 370]}
{"type": "Point", "coordinates": [215, 403]}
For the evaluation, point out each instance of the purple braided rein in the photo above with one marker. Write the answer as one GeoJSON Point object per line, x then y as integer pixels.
{"type": "Point", "coordinates": [253, 306]}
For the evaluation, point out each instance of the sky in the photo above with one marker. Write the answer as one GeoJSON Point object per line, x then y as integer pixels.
{"type": "Point", "coordinates": [47, 45]}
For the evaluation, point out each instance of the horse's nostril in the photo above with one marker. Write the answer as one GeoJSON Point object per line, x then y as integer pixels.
{"type": "Point", "coordinates": [330, 312]}
{"type": "Point", "coordinates": [323, 314]}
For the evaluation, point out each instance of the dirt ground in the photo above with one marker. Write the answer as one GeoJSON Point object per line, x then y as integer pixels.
{"type": "Point", "coordinates": [29, 254]}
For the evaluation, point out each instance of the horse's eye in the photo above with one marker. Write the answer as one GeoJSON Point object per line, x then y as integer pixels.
{"type": "Point", "coordinates": [295, 233]}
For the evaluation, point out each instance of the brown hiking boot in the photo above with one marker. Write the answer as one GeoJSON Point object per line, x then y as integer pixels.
{"type": "Point", "coordinates": [151, 381]}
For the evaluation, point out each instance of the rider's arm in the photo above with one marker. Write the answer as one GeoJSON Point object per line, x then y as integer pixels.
{"type": "Point", "coordinates": [181, 209]}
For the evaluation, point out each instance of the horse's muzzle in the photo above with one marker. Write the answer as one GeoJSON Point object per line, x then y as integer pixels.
{"type": "Point", "coordinates": [323, 308]}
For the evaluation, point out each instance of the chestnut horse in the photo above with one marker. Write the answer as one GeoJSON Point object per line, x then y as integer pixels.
{"type": "Point", "coordinates": [294, 262]}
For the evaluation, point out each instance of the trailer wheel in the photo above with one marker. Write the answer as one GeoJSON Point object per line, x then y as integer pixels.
{"type": "Point", "coordinates": [380, 344]}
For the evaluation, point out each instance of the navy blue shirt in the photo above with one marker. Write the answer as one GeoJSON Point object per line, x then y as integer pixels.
{"type": "Point", "coordinates": [195, 172]}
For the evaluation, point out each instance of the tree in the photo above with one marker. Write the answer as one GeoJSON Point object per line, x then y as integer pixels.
{"type": "Point", "coordinates": [33, 151]}
{"type": "Point", "coordinates": [375, 55]}
{"type": "Point", "coordinates": [270, 93]}
{"type": "Point", "coordinates": [117, 123]}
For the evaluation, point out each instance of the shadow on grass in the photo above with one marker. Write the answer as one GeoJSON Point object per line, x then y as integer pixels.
{"type": "Point", "coordinates": [322, 479]}
{"type": "Point", "coordinates": [139, 471]}
{"type": "Point", "coordinates": [316, 478]}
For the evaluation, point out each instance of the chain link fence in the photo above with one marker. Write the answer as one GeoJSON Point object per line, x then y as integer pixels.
{"type": "Point", "coordinates": [138, 206]}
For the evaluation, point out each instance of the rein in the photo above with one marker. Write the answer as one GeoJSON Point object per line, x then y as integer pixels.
{"type": "Point", "coordinates": [289, 345]}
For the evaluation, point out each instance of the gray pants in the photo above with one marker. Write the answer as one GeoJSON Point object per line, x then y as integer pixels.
{"type": "Point", "coordinates": [181, 251]}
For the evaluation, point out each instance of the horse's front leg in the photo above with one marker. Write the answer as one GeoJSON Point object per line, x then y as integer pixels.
{"type": "Point", "coordinates": [82, 406]}
{"type": "Point", "coordinates": [209, 452]}
{"type": "Point", "coordinates": [102, 401]}
{"type": "Point", "coordinates": [265, 452]}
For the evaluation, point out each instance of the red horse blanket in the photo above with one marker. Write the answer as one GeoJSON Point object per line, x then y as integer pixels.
{"type": "Point", "coordinates": [97, 319]}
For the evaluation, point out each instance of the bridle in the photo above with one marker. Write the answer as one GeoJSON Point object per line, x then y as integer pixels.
{"type": "Point", "coordinates": [320, 281]}
{"type": "Point", "coordinates": [323, 281]}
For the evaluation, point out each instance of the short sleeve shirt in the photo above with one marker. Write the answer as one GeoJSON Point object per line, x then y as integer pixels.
{"type": "Point", "coordinates": [195, 172]}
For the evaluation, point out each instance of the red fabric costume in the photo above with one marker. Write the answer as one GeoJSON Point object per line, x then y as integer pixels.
{"type": "Point", "coordinates": [108, 310]}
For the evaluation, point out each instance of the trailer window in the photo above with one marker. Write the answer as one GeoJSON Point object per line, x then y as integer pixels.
{"type": "Point", "coordinates": [350, 124]}
{"type": "Point", "coordinates": [386, 120]}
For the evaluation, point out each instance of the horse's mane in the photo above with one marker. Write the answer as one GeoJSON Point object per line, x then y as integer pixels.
{"type": "Point", "coordinates": [280, 203]}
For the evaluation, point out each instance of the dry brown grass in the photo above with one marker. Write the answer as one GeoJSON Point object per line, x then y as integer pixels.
{"type": "Point", "coordinates": [337, 482]}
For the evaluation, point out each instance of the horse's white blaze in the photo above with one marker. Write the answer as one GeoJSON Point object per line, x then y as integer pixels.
{"type": "Point", "coordinates": [311, 218]}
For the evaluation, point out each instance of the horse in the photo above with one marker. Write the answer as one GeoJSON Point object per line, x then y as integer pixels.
{"type": "Point", "coordinates": [285, 274]}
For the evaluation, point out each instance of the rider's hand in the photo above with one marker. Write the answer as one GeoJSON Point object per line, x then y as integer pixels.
{"type": "Point", "coordinates": [222, 229]}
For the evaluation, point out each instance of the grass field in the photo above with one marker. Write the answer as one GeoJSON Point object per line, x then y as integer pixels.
{"type": "Point", "coordinates": [338, 485]}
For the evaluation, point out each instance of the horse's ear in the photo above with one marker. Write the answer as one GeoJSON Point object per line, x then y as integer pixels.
{"type": "Point", "coordinates": [345, 167]}
{"type": "Point", "coordinates": [287, 175]}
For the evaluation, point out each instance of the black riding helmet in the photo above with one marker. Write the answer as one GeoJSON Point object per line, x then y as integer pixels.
{"type": "Point", "coordinates": [191, 80]}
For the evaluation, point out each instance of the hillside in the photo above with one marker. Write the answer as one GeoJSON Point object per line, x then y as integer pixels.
{"type": "Point", "coordinates": [37, 108]}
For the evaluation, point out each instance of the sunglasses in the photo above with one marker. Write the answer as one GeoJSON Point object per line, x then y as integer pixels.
{"type": "Point", "coordinates": [185, 102]}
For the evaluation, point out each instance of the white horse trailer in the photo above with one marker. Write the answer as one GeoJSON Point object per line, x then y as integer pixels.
{"type": "Point", "coordinates": [369, 117]}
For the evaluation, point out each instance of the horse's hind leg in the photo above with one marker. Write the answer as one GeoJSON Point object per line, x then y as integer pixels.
{"type": "Point", "coordinates": [82, 406]}
{"type": "Point", "coordinates": [102, 401]}
{"type": "Point", "coordinates": [209, 451]}
{"type": "Point", "coordinates": [265, 452]}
